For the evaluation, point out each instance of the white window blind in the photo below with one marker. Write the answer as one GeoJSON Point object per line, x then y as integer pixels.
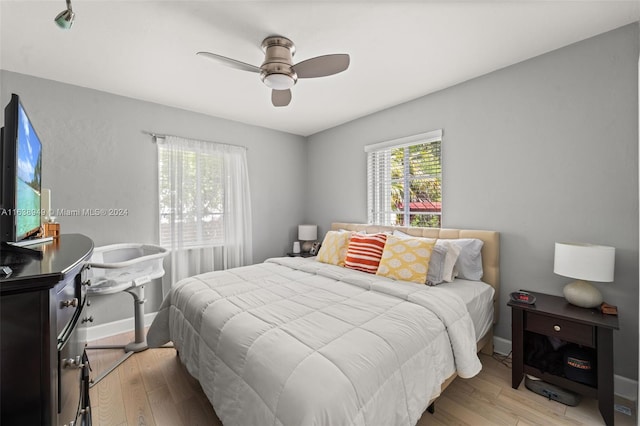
{"type": "Point", "coordinates": [404, 181]}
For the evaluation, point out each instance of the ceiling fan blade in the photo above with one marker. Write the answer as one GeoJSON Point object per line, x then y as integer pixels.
{"type": "Point", "coordinates": [322, 66]}
{"type": "Point", "coordinates": [223, 60]}
{"type": "Point", "coordinates": [280, 98]}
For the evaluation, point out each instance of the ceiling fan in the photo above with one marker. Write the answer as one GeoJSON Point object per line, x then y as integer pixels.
{"type": "Point", "coordinates": [278, 71]}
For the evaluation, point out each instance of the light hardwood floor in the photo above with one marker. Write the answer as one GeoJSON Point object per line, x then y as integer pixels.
{"type": "Point", "coordinates": [154, 388]}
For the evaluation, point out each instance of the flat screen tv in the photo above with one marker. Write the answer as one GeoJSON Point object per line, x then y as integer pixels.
{"type": "Point", "coordinates": [21, 176]}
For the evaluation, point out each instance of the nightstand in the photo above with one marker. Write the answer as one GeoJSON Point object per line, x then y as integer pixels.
{"type": "Point", "coordinates": [302, 254]}
{"type": "Point", "coordinates": [554, 316]}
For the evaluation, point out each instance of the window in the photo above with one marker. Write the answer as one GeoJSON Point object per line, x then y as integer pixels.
{"type": "Point", "coordinates": [204, 205]}
{"type": "Point", "coordinates": [404, 181]}
{"type": "Point", "coordinates": [198, 207]}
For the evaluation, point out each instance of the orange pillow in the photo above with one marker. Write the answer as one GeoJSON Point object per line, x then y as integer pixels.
{"type": "Point", "coordinates": [364, 252]}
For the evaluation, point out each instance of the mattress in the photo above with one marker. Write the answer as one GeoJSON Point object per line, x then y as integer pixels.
{"type": "Point", "coordinates": [478, 297]}
{"type": "Point", "coordinates": [293, 341]}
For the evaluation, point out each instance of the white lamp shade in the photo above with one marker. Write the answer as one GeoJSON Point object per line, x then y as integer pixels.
{"type": "Point", "coordinates": [279, 81]}
{"type": "Point", "coordinates": [584, 261]}
{"type": "Point", "coordinates": [307, 232]}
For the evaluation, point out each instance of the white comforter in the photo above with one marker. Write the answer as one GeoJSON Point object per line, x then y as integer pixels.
{"type": "Point", "coordinates": [297, 342]}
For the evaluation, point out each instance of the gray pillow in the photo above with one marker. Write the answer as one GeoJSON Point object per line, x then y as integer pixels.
{"type": "Point", "coordinates": [435, 274]}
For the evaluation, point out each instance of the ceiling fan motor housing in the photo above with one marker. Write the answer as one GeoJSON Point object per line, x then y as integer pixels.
{"type": "Point", "coordinates": [277, 69]}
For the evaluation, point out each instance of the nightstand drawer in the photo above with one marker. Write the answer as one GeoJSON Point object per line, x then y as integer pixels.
{"type": "Point", "coordinates": [570, 331]}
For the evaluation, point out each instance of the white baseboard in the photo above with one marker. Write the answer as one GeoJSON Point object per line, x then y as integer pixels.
{"type": "Point", "coordinates": [116, 327]}
{"type": "Point", "coordinates": [501, 346]}
{"type": "Point", "coordinates": [623, 386]}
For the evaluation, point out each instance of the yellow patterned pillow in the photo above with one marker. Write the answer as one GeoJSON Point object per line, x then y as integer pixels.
{"type": "Point", "coordinates": [334, 247]}
{"type": "Point", "coordinates": [406, 259]}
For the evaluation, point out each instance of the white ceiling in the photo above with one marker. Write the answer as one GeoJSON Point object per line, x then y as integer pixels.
{"type": "Point", "coordinates": [399, 50]}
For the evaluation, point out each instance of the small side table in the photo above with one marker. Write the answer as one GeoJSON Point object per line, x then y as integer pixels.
{"type": "Point", "coordinates": [554, 316]}
{"type": "Point", "coordinates": [301, 254]}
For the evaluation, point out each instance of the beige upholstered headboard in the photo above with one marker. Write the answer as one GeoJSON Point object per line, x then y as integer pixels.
{"type": "Point", "coordinates": [490, 248]}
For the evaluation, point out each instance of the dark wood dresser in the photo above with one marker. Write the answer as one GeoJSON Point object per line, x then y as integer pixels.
{"type": "Point", "coordinates": [43, 368]}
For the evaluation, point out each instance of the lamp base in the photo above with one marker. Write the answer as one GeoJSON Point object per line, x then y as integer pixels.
{"type": "Point", "coordinates": [306, 246]}
{"type": "Point", "coordinates": [583, 294]}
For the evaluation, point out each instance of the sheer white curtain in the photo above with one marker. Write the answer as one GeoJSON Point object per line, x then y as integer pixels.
{"type": "Point", "coordinates": [204, 205]}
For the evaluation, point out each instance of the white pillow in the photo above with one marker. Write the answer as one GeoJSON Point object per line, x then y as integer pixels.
{"type": "Point", "coordinates": [453, 251]}
{"type": "Point", "coordinates": [469, 263]}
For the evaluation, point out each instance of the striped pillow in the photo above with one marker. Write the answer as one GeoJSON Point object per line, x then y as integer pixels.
{"type": "Point", "coordinates": [365, 251]}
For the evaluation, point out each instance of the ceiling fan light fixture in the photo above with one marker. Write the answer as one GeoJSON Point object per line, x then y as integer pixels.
{"type": "Point", "coordinates": [279, 81]}
{"type": "Point", "coordinates": [278, 71]}
{"type": "Point", "coordinates": [66, 17]}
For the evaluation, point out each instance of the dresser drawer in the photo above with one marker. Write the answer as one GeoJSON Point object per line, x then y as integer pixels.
{"type": "Point", "coordinates": [66, 302]}
{"type": "Point", "coordinates": [570, 331]}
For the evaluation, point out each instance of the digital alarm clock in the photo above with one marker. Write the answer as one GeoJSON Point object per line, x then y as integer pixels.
{"type": "Point", "coordinates": [523, 297]}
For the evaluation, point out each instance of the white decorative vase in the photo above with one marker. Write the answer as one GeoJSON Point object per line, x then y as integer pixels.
{"type": "Point", "coordinates": [583, 294]}
{"type": "Point", "coordinates": [296, 247]}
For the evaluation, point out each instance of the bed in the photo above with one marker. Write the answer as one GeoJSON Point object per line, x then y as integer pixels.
{"type": "Point", "coordinates": [298, 341]}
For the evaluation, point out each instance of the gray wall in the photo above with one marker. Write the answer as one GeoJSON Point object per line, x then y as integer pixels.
{"type": "Point", "coordinates": [542, 151]}
{"type": "Point", "coordinates": [96, 156]}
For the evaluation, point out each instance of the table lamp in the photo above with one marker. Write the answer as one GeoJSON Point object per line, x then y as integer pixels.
{"type": "Point", "coordinates": [308, 235]}
{"type": "Point", "coordinates": [585, 262]}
